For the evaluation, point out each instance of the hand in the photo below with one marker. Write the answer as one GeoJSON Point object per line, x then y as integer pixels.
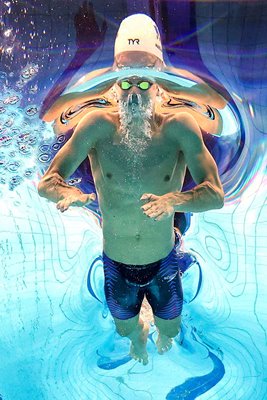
{"type": "Point", "coordinates": [158, 207]}
{"type": "Point", "coordinates": [88, 35]}
{"type": "Point", "coordinates": [78, 200]}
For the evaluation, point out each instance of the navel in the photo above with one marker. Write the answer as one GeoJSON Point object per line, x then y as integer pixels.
{"type": "Point", "coordinates": [167, 178]}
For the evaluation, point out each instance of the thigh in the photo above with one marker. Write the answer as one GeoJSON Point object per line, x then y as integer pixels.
{"type": "Point", "coordinates": [123, 299]}
{"type": "Point", "coordinates": [165, 293]}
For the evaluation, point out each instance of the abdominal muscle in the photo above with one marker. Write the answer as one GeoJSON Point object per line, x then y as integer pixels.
{"type": "Point", "coordinates": [131, 237]}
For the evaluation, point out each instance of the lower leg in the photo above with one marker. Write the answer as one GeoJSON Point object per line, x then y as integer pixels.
{"type": "Point", "coordinates": [138, 334]}
{"type": "Point", "coordinates": [167, 330]}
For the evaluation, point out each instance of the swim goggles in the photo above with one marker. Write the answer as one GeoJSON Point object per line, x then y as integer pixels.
{"type": "Point", "coordinates": [143, 85]}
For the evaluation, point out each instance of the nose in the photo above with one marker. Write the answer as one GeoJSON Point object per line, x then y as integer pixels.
{"type": "Point", "coordinates": [135, 89]}
{"type": "Point", "coordinates": [134, 93]}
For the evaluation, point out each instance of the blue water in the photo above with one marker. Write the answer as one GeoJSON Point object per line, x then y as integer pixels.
{"type": "Point", "coordinates": [57, 337]}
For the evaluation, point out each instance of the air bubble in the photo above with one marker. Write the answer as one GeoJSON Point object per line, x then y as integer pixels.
{"type": "Point", "coordinates": [44, 147]}
{"type": "Point", "coordinates": [55, 146]}
{"type": "Point", "coordinates": [14, 181]}
{"type": "Point", "coordinates": [13, 166]}
{"type": "Point", "coordinates": [31, 111]}
{"type": "Point", "coordinates": [25, 148]}
{"type": "Point", "coordinates": [74, 181]}
{"type": "Point", "coordinates": [32, 140]}
{"type": "Point", "coordinates": [28, 172]}
{"type": "Point", "coordinates": [44, 158]}
{"type": "Point", "coordinates": [23, 137]}
{"type": "Point", "coordinates": [9, 122]}
{"type": "Point", "coordinates": [5, 140]}
{"type": "Point", "coordinates": [61, 139]}
{"type": "Point", "coordinates": [11, 100]}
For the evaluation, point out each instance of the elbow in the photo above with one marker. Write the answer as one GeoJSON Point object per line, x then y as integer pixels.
{"type": "Point", "coordinates": [44, 184]}
{"type": "Point", "coordinates": [216, 194]}
{"type": "Point", "coordinates": [220, 203]}
{"type": "Point", "coordinates": [41, 188]}
{"type": "Point", "coordinates": [220, 199]}
{"type": "Point", "coordinates": [48, 184]}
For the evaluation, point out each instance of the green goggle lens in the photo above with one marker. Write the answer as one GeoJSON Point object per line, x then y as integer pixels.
{"type": "Point", "coordinates": [125, 85]}
{"type": "Point", "coordinates": [143, 85]}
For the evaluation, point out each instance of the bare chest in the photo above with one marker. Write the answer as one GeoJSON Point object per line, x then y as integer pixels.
{"type": "Point", "coordinates": [135, 157]}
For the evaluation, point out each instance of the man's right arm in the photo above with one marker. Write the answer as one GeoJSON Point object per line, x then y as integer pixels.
{"type": "Point", "coordinates": [67, 160]}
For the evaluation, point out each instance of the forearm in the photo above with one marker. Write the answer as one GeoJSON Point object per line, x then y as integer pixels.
{"type": "Point", "coordinates": [54, 188]}
{"type": "Point", "coordinates": [203, 197]}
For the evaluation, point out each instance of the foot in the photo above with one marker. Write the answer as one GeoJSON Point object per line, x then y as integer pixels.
{"type": "Point", "coordinates": [138, 345]}
{"type": "Point", "coordinates": [164, 343]}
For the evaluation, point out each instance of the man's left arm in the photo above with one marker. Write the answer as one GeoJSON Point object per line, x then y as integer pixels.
{"type": "Point", "coordinates": [207, 195]}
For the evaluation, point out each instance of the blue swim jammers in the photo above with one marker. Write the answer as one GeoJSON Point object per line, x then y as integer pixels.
{"type": "Point", "coordinates": [126, 285]}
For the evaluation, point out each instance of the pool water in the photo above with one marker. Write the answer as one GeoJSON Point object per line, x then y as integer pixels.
{"type": "Point", "coordinates": [57, 337]}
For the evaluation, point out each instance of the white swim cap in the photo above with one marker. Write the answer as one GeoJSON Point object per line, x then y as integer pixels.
{"type": "Point", "coordinates": [138, 32]}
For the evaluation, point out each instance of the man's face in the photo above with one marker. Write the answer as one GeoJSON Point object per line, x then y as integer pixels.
{"type": "Point", "coordinates": [135, 90]}
{"type": "Point", "coordinates": [136, 102]}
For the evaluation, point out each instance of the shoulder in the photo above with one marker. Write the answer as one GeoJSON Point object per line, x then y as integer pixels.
{"type": "Point", "coordinates": [94, 118]}
{"type": "Point", "coordinates": [175, 117]}
{"type": "Point", "coordinates": [184, 130]}
{"type": "Point", "coordinates": [96, 124]}
{"type": "Point", "coordinates": [186, 121]}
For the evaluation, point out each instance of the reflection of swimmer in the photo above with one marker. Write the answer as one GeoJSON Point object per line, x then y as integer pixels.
{"type": "Point", "coordinates": [138, 153]}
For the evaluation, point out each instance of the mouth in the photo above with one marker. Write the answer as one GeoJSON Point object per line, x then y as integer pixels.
{"type": "Point", "coordinates": [133, 99]}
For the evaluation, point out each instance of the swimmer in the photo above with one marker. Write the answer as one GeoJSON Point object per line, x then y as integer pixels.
{"type": "Point", "coordinates": [145, 51]}
{"type": "Point", "coordinates": [133, 147]}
